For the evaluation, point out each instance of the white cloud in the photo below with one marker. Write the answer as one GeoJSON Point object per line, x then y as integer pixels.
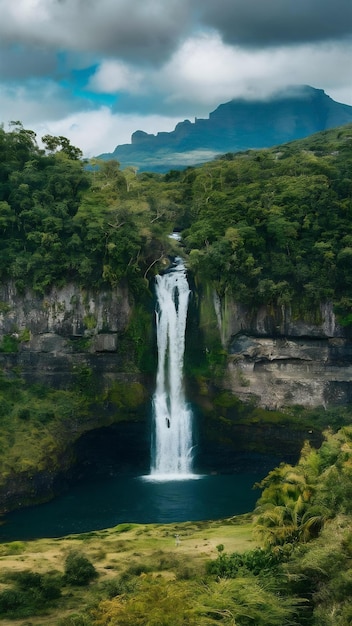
{"type": "Point", "coordinates": [341, 94]}
{"type": "Point", "coordinates": [30, 102]}
{"type": "Point", "coordinates": [204, 70]}
{"type": "Point", "coordinates": [112, 76]}
{"type": "Point", "coordinates": [99, 131]}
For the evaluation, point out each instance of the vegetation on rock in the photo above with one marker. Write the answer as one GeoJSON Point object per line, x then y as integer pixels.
{"type": "Point", "coordinates": [274, 226]}
{"type": "Point", "coordinates": [268, 226]}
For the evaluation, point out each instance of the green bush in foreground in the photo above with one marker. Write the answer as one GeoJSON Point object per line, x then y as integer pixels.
{"type": "Point", "coordinates": [32, 594]}
{"type": "Point", "coordinates": [79, 570]}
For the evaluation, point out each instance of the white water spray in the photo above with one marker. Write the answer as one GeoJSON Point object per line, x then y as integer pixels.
{"type": "Point", "coordinates": [172, 427]}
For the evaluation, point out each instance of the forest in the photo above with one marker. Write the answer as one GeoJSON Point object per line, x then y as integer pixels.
{"type": "Point", "coordinates": [269, 226]}
{"type": "Point", "coordinates": [266, 226]}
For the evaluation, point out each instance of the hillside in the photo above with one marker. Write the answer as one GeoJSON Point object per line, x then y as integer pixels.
{"type": "Point", "coordinates": [287, 564]}
{"type": "Point", "coordinates": [234, 126]}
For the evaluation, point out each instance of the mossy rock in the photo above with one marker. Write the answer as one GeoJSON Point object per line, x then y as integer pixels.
{"type": "Point", "coordinates": [127, 395]}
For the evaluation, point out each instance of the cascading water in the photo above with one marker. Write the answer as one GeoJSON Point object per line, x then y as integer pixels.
{"type": "Point", "coordinates": [172, 418]}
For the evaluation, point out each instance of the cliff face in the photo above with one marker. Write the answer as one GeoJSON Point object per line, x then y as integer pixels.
{"type": "Point", "coordinates": [47, 333]}
{"type": "Point", "coordinates": [69, 312]}
{"type": "Point", "coordinates": [278, 360]}
{"type": "Point", "coordinates": [53, 341]}
{"type": "Point", "coordinates": [273, 358]}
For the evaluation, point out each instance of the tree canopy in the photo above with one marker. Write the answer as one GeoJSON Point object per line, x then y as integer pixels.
{"type": "Point", "coordinates": [274, 226]}
{"type": "Point", "coordinates": [63, 219]}
{"type": "Point", "coordinates": [267, 226]}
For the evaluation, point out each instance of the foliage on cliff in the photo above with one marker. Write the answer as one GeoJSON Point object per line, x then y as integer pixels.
{"type": "Point", "coordinates": [274, 226]}
{"type": "Point", "coordinates": [40, 424]}
{"type": "Point", "coordinates": [62, 219]}
{"type": "Point", "coordinates": [268, 226]}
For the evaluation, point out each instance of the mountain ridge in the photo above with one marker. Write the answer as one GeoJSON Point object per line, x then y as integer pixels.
{"type": "Point", "coordinates": [234, 126]}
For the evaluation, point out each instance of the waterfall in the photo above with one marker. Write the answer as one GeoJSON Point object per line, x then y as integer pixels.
{"type": "Point", "coordinates": [172, 418]}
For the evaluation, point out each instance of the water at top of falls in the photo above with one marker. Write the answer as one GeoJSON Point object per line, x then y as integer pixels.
{"type": "Point", "coordinates": [172, 444]}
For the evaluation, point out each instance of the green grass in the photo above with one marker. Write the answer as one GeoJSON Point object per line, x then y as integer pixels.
{"type": "Point", "coordinates": [124, 557]}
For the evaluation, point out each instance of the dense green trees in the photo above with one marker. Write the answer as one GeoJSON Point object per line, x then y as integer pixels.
{"type": "Point", "coordinates": [270, 226]}
{"type": "Point", "coordinates": [62, 220]}
{"type": "Point", "coordinates": [274, 226]}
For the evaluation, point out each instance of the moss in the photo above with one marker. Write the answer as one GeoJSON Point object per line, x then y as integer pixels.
{"type": "Point", "coordinates": [4, 307]}
{"type": "Point", "coordinates": [303, 309]}
{"type": "Point", "coordinates": [226, 399]}
{"type": "Point", "coordinates": [25, 335]}
{"type": "Point", "coordinates": [80, 344]}
{"type": "Point", "coordinates": [140, 337]}
{"type": "Point", "coordinates": [127, 396]}
{"type": "Point", "coordinates": [204, 356]}
{"type": "Point", "coordinates": [9, 343]}
{"type": "Point", "coordinates": [90, 321]}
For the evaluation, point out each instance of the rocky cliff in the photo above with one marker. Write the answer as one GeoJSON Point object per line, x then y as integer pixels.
{"type": "Point", "coordinates": [275, 359]}
{"type": "Point", "coordinates": [52, 323]}
{"type": "Point", "coordinates": [74, 343]}
{"type": "Point", "coordinates": [278, 359]}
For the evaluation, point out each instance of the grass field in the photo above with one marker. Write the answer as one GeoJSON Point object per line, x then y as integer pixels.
{"type": "Point", "coordinates": [172, 551]}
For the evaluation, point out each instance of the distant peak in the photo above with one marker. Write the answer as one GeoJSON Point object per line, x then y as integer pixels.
{"type": "Point", "coordinates": [139, 136]}
{"type": "Point", "coordinates": [293, 112]}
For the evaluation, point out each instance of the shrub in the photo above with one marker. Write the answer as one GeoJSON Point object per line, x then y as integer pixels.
{"type": "Point", "coordinates": [9, 344]}
{"type": "Point", "coordinates": [46, 585]}
{"type": "Point", "coordinates": [15, 547]}
{"type": "Point", "coordinates": [255, 561]}
{"type": "Point", "coordinates": [75, 620]}
{"type": "Point", "coordinates": [13, 603]}
{"type": "Point", "coordinates": [24, 414]}
{"type": "Point", "coordinates": [33, 593]}
{"type": "Point", "coordinates": [79, 570]}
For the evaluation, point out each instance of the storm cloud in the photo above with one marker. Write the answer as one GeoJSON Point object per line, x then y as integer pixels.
{"type": "Point", "coordinates": [276, 22]}
{"type": "Point", "coordinates": [151, 30]}
{"type": "Point", "coordinates": [130, 29]}
{"type": "Point", "coordinates": [21, 62]}
{"type": "Point", "coordinates": [91, 70]}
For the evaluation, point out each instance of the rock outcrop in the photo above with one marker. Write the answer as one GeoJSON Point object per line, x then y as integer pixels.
{"type": "Point", "coordinates": [279, 360]}
{"type": "Point", "coordinates": [67, 312]}
{"type": "Point", "coordinates": [48, 333]}
{"type": "Point", "coordinates": [53, 341]}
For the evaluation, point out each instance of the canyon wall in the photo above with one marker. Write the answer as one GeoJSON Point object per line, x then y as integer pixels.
{"type": "Point", "coordinates": [278, 359]}
{"type": "Point", "coordinates": [51, 324]}
{"type": "Point", "coordinates": [78, 342]}
{"type": "Point", "coordinates": [275, 358]}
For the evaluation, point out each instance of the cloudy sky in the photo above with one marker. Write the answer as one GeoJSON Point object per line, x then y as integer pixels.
{"type": "Point", "coordinates": [97, 70]}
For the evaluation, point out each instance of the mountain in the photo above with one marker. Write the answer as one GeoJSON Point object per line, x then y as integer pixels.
{"type": "Point", "coordinates": [234, 126]}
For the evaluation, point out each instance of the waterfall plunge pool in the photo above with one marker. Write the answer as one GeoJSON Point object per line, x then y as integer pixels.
{"type": "Point", "coordinates": [108, 501]}
{"type": "Point", "coordinates": [170, 492]}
